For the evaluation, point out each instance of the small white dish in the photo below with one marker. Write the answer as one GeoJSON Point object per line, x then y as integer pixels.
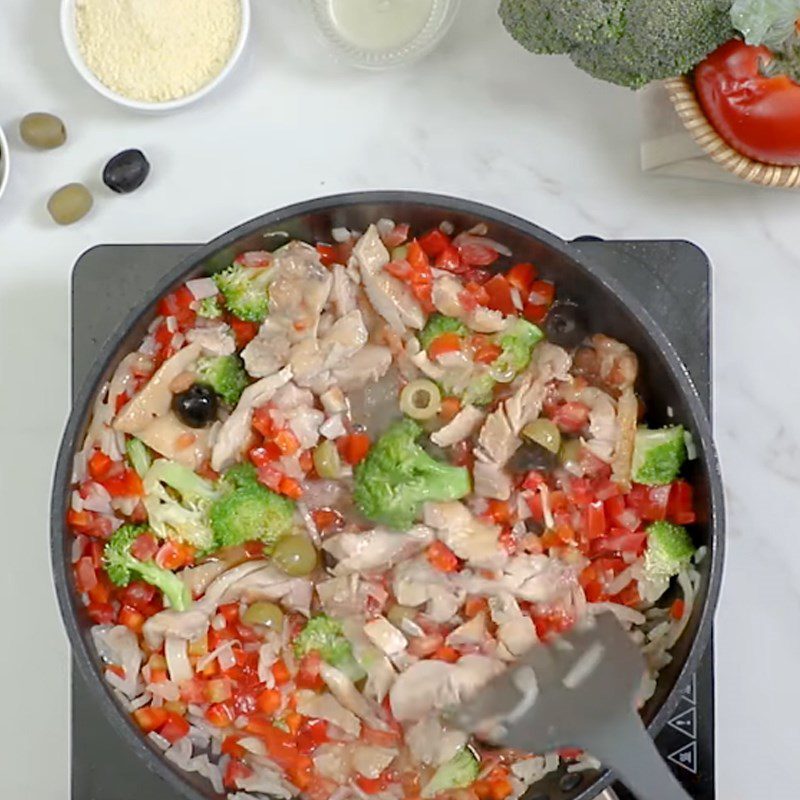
{"type": "Point", "coordinates": [70, 38]}
{"type": "Point", "coordinates": [5, 162]}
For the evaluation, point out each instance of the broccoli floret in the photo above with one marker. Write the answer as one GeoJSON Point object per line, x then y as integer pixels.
{"type": "Point", "coordinates": [398, 476]}
{"type": "Point", "coordinates": [457, 773]}
{"type": "Point", "coordinates": [658, 455]}
{"type": "Point", "coordinates": [249, 512]}
{"type": "Point", "coordinates": [209, 308]}
{"type": "Point", "coordinates": [325, 635]}
{"type": "Point", "coordinates": [239, 475]}
{"type": "Point", "coordinates": [628, 42]}
{"type": "Point", "coordinates": [246, 291]}
{"type": "Point", "coordinates": [669, 550]}
{"type": "Point", "coordinates": [517, 342]}
{"type": "Point", "coordinates": [177, 501]}
{"type": "Point", "coordinates": [123, 567]}
{"type": "Point", "coordinates": [479, 391]}
{"type": "Point", "coordinates": [438, 324]}
{"type": "Point", "coordinates": [225, 375]}
{"type": "Point", "coordinates": [138, 455]}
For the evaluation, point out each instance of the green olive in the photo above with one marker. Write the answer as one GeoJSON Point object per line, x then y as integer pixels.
{"type": "Point", "coordinates": [327, 462]}
{"type": "Point", "coordinates": [421, 399]}
{"type": "Point", "coordinates": [569, 454]}
{"type": "Point", "coordinates": [44, 131]}
{"type": "Point", "coordinates": [70, 203]}
{"type": "Point", "coordinates": [397, 613]}
{"type": "Point", "coordinates": [267, 614]}
{"type": "Point", "coordinates": [399, 253]}
{"type": "Point", "coordinates": [295, 555]}
{"type": "Point", "coordinates": [545, 433]}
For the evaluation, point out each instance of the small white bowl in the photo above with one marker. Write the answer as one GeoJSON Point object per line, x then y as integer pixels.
{"type": "Point", "coordinates": [5, 162]}
{"type": "Point", "coordinates": [70, 37]}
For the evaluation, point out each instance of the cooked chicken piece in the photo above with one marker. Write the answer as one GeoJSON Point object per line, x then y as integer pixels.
{"type": "Point", "coordinates": [334, 401]}
{"type": "Point", "coordinates": [326, 706]}
{"type": "Point", "coordinates": [189, 625]}
{"type": "Point", "coordinates": [300, 287]}
{"type": "Point", "coordinates": [432, 685]}
{"type": "Point", "coordinates": [471, 632]}
{"type": "Point", "coordinates": [216, 339]}
{"type": "Point", "coordinates": [271, 583]}
{"type": "Point", "coordinates": [462, 426]}
{"type": "Point", "coordinates": [343, 689]}
{"type": "Point", "coordinates": [235, 430]}
{"type": "Point", "coordinates": [627, 415]}
{"type": "Point", "coordinates": [603, 425]}
{"type": "Point", "coordinates": [535, 578]}
{"type": "Point", "coordinates": [290, 396]}
{"type": "Point", "coordinates": [174, 440]}
{"type": "Point", "coordinates": [343, 596]}
{"type": "Point", "coordinates": [515, 630]}
{"type": "Point", "coordinates": [432, 743]}
{"type": "Point", "coordinates": [486, 320]}
{"type": "Point", "coordinates": [468, 537]}
{"type": "Point", "coordinates": [371, 760]}
{"type": "Point", "coordinates": [497, 441]}
{"type": "Point", "coordinates": [491, 481]}
{"type": "Point", "coordinates": [377, 549]}
{"type": "Point", "coordinates": [385, 636]}
{"type": "Point", "coordinates": [368, 365]}
{"type": "Point", "coordinates": [419, 358]}
{"type": "Point", "coordinates": [305, 423]}
{"type": "Point", "coordinates": [391, 298]}
{"type": "Point", "coordinates": [417, 583]}
{"type": "Point", "coordinates": [609, 364]}
{"type": "Point", "coordinates": [154, 400]}
{"type": "Point", "coordinates": [380, 672]}
{"type": "Point", "coordinates": [268, 351]}
{"type": "Point", "coordinates": [344, 292]}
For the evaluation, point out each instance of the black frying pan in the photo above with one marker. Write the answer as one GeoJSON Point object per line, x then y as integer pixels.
{"type": "Point", "coordinates": [664, 383]}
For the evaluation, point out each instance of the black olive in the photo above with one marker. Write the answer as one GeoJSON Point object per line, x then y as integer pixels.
{"type": "Point", "coordinates": [565, 325]}
{"type": "Point", "coordinates": [532, 456]}
{"type": "Point", "coordinates": [196, 406]}
{"type": "Point", "coordinates": [126, 171]}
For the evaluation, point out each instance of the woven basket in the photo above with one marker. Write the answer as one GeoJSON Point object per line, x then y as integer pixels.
{"type": "Point", "coordinates": [681, 93]}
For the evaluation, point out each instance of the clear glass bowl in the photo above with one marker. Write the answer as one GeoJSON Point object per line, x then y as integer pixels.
{"type": "Point", "coordinates": [441, 17]}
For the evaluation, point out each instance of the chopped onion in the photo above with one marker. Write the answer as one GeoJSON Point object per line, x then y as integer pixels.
{"type": "Point", "coordinates": [447, 227]}
{"type": "Point", "coordinates": [340, 235]}
{"type": "Point", "coordinates": [483, 241]}
{"type": "Point", "coordinates": [202, 288]}
{"type": "Point", "coordinates": [253, 745]}
{"type": "Point", "coordinates": [176, 652]}
{"type": "Point", "coordinates": [218, 654]}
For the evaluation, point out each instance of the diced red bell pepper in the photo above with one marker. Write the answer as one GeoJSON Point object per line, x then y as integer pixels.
{"type": "Point", "coordinates": [235, 772]}
{"type": "Point", "coordinates": [220, 715]}
{"type": "Point", "coordinates": [100, 465]}
{"type": "Point", "coordinates": [269, 701]}
{"type": "Point", "coordinates": [145, 547]}
{"type": "Point", "coordinates": [124, 484]}
{"type": "Point", "coordinates": [150, 719]}
{"type": "Point", "coordinates": [441, 557]}
{"type": "Point", "coordinates": [131, 618]}
{"type": "Point", "coordinates": [354, 447]}
{"type": "Point", "coordinates": [571, 417]}
{"type": "Point", "coordinates": [173, 555]}
{"type": "Point", "coordinates": [445, 343]}
{"type": "Point", "coordinates": [178, 305]}
{"type": "Point", "coordinates": [475, 254]}
{"type": "Point", "coordinates": [434, 243]}
{"type": "Point", "coordinates": [175, 728]}
{"type": "Point", "coordinates": [244, 332]}
{"type": "Point", "coordinates": [521, 276]}
{"type": "Point", "coordinates": [680, 508]}
{"type": "Point", "coordinates": [450, 261]}
{"type": "Point", "coordinates": [499, 294]}
{"type": "Point", "coordinates": [312, 733]}
{"type": "Point", "coordinates": [308, 673]}
{"type": "Point", "coordinates": [85, 574]}
{"type": "Point", "coordinates": [595, 520]}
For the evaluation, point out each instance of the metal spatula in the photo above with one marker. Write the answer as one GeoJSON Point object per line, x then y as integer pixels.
{"type": "Point", "coordinates": [580, 691]}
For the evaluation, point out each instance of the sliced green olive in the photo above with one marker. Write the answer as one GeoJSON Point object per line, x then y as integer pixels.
{"type": "Point", "coordinates": [545, 433]}
{"type": "Point", "coordinates": [327, 462]}
{"type": "Point", "coordinates": [421, 399]}
{"type": "Point", "coordinates": [295, 555]}
{"type": "Point", "coordinates": [267, 614]}
{"type": "Point", "coordinates": [569, 455]}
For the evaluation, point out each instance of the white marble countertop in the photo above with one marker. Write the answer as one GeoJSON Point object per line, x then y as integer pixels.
{"type": "Point", "coordinates": [479, 118]}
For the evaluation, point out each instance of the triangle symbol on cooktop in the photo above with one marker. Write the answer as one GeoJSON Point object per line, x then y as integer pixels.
{"type": "Point", "coordinates": [685, 722]}
{"type": "Point", "coordinates": [689, 692]}
{"type": "Point", "coordinates": [686, 757]}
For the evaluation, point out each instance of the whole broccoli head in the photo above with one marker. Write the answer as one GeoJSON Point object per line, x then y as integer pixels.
{"type": "Point", "coordinates": [628, 42]}
{"type": "Point", "coordinates": [225, 375]}
{"type": "Point", "coordinates": [438, 324]}
{"type": "Point", "coordinates": [398, 476]}
{"type": "Point", "coordinates": [658, 455]}
{"type": "Point", "coordinates": [669, 549]}
{"type": "Point", "coordinates": [246, 291]}
{"type": "Point", "coordinates": [177, 501]}
{"type": "Point", "coordinates": [123, 567]}
{"type": "Point", "coordinates": [325, 635]}
{"type": "Point", "coordinates": [249, 512]}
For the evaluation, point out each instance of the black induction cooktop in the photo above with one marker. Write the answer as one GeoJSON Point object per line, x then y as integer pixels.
{"type": "Point", "coordinates": [671, 279]}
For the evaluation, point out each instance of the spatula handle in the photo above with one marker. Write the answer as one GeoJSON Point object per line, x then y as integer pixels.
{"type": "Point", "coordinates": [627, 748]}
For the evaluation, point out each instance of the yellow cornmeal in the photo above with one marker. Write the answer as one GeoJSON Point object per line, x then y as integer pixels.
{"type": "Point", "coordinates": [157, 50]}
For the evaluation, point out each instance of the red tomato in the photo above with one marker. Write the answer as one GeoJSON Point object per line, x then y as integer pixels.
{"type": "Point", "coordinates": [175, 728]}
{"type": "Point", "coordinates": [308, 676]}
{"type": "Point", "coordinates": [571, 417]}
{"type": "Point", "coordinates": [595, 520]}
{"type": "Point", "coordinates": [434, 243]}
{"type": "Point", "coordinates": [262, 421]}
{"type": "Point", "coordinates": [101, 613]}
{"type": "Point", "coordinates": [269, 701]}
{"type": "Point", "coordinates": [487, 353]}
{"type": "Point", "coordinates": [149, 718]}
{"type": "Point", "coordinates": [522, 276]}
{"type": "Point", "coordinates": [757, 115]}
{"type": "Point", "coordinates": [145, 547]}
{"type": "Point", "coordinates": [328, 254]}
{"type": "Point", "coordinates": [374, 785]}
{"type": "Point", "coordinates": [138, 595]}
{"type": "Point", "coordinates": [649, 502]}
{"type": "Point", "coordinates": [450, 261]}
{"type": "Point", "coordinates": [500, 299]}
{"type": "Point", "coordinates": [619, 541]}
{"type": "Point", "coordinates": [441, 557]}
